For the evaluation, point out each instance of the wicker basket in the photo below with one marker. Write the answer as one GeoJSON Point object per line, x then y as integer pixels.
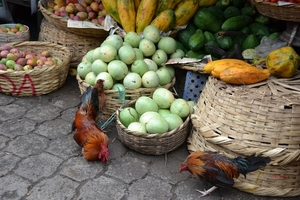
{"type": "Point", "coordinates": [62, 23]}
{"type": "Point", "coordinates": [37, 81]}
{"type": "Point", "coordinates": [77, 44]}
{"type": "Point", "coordinates": [262, 118]}
{"type": "Point", "coordinates": [153, 144]}
{"type": "Point", "coordinates": [7, 38]}
{"type": "Point", "coordinates": [114, 101]}
{"type": "Point", "coordinates": [287, 13]}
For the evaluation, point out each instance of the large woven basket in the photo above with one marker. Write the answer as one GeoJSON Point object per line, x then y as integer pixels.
{"type": "Point", "coordinates": [62, 23]}
{"type": "Point", "coordinates": [114, 98]}
{"type": "Point", "coordinates": [153, 144]}
{"type": "Point", "coordinates": [7, 38]}
{"type": "Point", "coordinates": [287, 13]}
{"type": "Point", "coordinates": [77, 44]}
{"type": "Point", "coordinates": [37, 81]}
{"type": "Point", "coordinates": [262, 118]}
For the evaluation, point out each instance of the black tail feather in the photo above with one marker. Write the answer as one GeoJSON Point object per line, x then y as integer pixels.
{"type": "Point", "coordinates": [90, 96]}
{"type": "Point", "coordinates": [251, 163]}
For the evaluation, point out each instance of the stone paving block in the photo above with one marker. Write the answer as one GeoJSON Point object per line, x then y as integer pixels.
{"type": "Point", "coordinates": [32, 101]}
{"type": "Point", "coordinates": [165, 168]}
{"type": "Point", "coordinates": [5, 99]}
{"type": "Point", "coordinates": [39, 166]}
{"type": "Point", "coordinates": [11, 111]}
{"type": "Point", "coordinates": [54, 128]}
{"type": "Point", "coordinates": [55, 188]}
{"type": "Point", "coordinates": [150, 188]}
{"type": "Point", "coordinates": [77, 168]}
{"type": "Point", "coordinates": [103, 188]}
{"type": "Point", "coordinates": [72, 101]}
{"type": "Point", "coordinates": [13, 187]}
{"type": "Point", "coordinates": [18, 126]}
{"type": "Point", "coordinates": [3, 141]}
{"type": "Point", "coordinates": [27, 145]}
{"type": "Point", "coordinates": [43, 113]}
{"type": "Point", "coordinates": [135, 169]}
{"type": "Point", "coordinates": [7, 163]}
{"type": "Point", "coordinates": [64, 147]}
{"type": "Point", "coordinates": [69, 114]}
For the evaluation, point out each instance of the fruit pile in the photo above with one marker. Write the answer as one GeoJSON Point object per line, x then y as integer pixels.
{"type": "Point", "coordinates": [85, 10]}
{"type": "Point", "coordinates": [135, 15]}
{"type": "Point", "coordinates": [225, 29]}
{"type": "Point", "coordinates": [14, 59]}
{"type": "Point", "coordinates": [132, 62]}
{"type": "Point", "coordinates": [15, 29]}
{"type": "Point", "coordinates": [159, 114]}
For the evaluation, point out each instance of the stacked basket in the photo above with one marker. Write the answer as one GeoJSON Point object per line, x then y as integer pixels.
{"type": "Point", "coordinates": [79, 40]}
{"type": "Point", "coordinates": [262, 118]}
{"type": "Point", "coordinates": [78, 45]}
{"type": "Point", "coordinates": [7, 38]}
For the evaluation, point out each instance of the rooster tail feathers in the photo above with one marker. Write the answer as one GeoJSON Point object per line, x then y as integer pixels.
{"type": "Point", "coordinates": [251, 163]}
{"type": "Point", "coordinates": [90, 96]}
{"type": "Point", "coordinates": [257, 162]}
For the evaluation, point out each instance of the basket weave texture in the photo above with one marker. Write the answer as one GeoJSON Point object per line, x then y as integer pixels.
{"type": "Point", "coordinates": [153, 144]}
{"type": "Point", "coordinates": [37, 81]}
{"type": "Point", "coordinates": [287, 13]}
{"type": "Point", "coordinates": [62, 23]}
{"type": "Point", "coordinates": [77, 44]}
{"type": "Point", "coordinates": [114, 98]}
{"type": "Point", "coordinates": [262, 118]}
{"type": "Point", "coordinates": [7, 38]}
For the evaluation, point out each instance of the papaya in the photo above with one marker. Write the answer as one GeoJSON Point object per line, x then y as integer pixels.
{"type": "Point", "coordinates": [283, 62]}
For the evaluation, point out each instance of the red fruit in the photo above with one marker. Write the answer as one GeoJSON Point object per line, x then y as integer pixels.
{"type": "Point", "coordinates": [4, 53]}
{"type": "Point", "coordinates": [21, 61]}
{"type": "Point", "coordinates": [95, 6]}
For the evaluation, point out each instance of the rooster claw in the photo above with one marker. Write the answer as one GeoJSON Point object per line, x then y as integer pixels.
{"type": "Point", "coordinates": [206, 192]}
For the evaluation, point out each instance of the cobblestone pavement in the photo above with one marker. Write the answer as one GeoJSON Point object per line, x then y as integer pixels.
{"type": "Point", "coordinates": [39, 158]}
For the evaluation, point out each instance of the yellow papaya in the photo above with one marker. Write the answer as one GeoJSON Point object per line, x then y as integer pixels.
{"type": "Point", "coordinates": [283, 62]}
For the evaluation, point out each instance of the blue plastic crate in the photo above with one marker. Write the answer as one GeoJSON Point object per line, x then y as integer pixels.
{"type": "Point", "coordinates": [194, 84]}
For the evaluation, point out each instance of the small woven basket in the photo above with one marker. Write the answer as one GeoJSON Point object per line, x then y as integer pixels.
{"type": "Point", "coordinates": [77, 44]}
{"type": "Point", "coordinates": [287, 12]}
{"type": "Point", "coordinates": [7, 38]}
{"type": "Point", "coordinates": [62, 23]}
{"type": "Point", "coordinates": [114, 99]}
{"type": "Point", "coordinates": [262, 118]}
{"type": "Point", "coordinates": [37, 81]}
{"type": "Point", "coordinates": [153, 144]}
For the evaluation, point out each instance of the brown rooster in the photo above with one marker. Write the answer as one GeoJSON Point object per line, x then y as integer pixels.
{"type": "Point", "coordinates": [220, 170]}
{"type": "Point", "coordinates": [87, 134]}
{"type": "Point", "coordinates": [101, 94]}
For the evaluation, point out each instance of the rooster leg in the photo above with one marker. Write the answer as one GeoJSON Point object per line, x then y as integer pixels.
{"type": "Point", "coordinates": [204, 193]}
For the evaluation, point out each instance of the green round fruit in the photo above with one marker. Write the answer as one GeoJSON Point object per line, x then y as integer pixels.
{"type": "Point", "coordinates": [167, 44]}
{"type": "Point", "coordinates": [150, 79]}
{"type": "Point", "coordinates": [137, 127]}
{"type": "Point", "coordinates": [164, 76]}
{"type": "Point", "coordinates": [144, 104]}
{"type": "Point", "coordinates": [132, 81]}
{"type": "Point", "coordinates": [117, 69]}
{"type": "Point", "coordinates": [126, 54]}
{"type": "Point", "coordinates": [106, 52]}
{"type": "Point", "coordinates": [133, 39]}
{"type": "Point", "coordinates": [163, 97]}
{"type": "Point", "coordinates": [159, 57]}
{"type": "Point", "coordinates": [152, 33]}
{"type": "Point", "coordinates": [114, 40]}
{"type": "Point", "coordinates": [173, 120]}
{"type": "Point", "coordinates": [128, 115]}
{"type": "Point", "coordinates": [180, 107]}
{"type": "Point", "coordinates": [139, 66]}
{"type": "Point", "coordinates": [157, 125]}
{"type": "Point", "coordinates": [147, 47]}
